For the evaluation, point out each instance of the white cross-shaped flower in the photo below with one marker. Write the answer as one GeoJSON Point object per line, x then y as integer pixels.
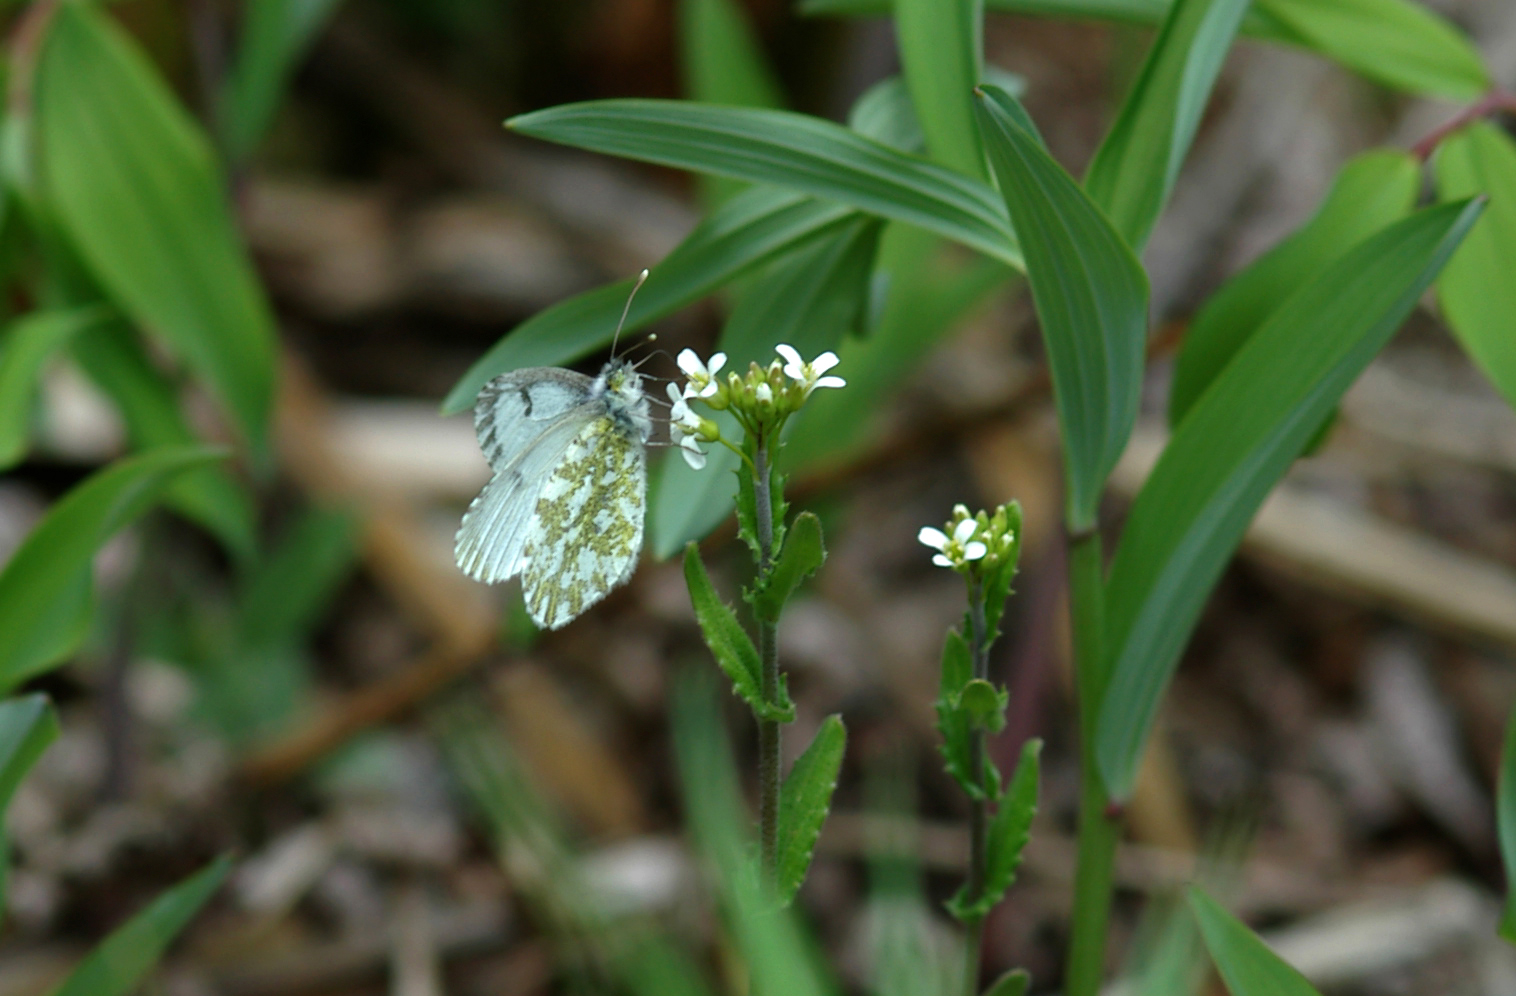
{"type": "Point", "coordinates": [809, 375]}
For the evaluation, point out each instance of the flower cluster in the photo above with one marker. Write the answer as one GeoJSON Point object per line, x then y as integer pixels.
{"type": "Point", "coordinates": [761, 400]}
{"type": "Point", "coordinates": [978, 542]}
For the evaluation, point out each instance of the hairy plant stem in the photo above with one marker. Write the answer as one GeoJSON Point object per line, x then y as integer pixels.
{"type": "Point", "coordinates": [768, 654]}
{"type": "Point", "coordinates": [978, 805]}
{"type": "Point", "coordinates": [1099, 828]}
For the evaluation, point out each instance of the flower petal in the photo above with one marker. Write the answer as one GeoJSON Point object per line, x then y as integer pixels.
{"type": "Point", "coordinates": [934, 538]}
{"type": "Point", "coordinates": [717, 362]}
{"type": "Point", "coordinates": [824, 362]}
{"type": "Point", "coordinates": [830, 382]}
{"type": "Point", "coordinates": [975, 550]}
{"type": "Point", "coordinates": [941, 561]}
{"type": "Point", "coordinates": [789, 352]}
{"type": "Point", "coordinates": [964, 530]}
{"type": "Point", "coordinates": [690, 363]}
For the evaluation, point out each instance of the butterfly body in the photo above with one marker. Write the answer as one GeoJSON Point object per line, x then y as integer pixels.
{"type": "Point", "coordinates": [564, 508]}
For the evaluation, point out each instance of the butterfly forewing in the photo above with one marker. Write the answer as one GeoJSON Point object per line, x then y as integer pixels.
{"type": "Point", "coordinates": [514, 409]}
{"type": "Point", "coordinates": [586, 530]}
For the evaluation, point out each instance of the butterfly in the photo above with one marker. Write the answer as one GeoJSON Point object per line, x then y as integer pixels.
{"type": "Point", "coordinates": [565, 506]}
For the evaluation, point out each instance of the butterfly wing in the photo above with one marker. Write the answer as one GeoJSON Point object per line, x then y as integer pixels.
{"type": "Point", "coordinates": [525, 421]}
{"type": "Point", "coordinates": [586, 530]}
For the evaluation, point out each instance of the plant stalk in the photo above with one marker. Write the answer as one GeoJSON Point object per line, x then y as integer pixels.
{"type": "Point", "coordinates": [768, 654]}
{"type": "Point", "coordinates": [978, 805]}
{"type": "Point", "coordinates": [1099, 829]}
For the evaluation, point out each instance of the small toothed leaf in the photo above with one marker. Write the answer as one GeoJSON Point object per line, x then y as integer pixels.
{"type": "Point", "coordinates": [1008, 837]}
{"type": "Point", "coordinates": [729, 642]}
{"type": "Point", "coordinates": [805, 801]}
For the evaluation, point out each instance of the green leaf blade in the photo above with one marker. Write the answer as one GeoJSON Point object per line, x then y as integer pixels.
{"type": "Point", "coordinates": [803, 554]}
{"type": "Point", "coordinates": [44, 588]}
{"type": "Point", "coordinates": [1008, 836]}
{"type": "Point", "coordinates": [274, 35]}
{"type": "Point", "coordinates": [1237, 442]}
{"type": "Point", "coordinates": [728, 641]}
{"type": "Point", "coordinates": [804, 802]}
{"type": "Point", "coordinates": [1476, 292]}
{"type": "Point", "coordinates": [1245, 962]}
{"type": "Point", "coordinates": [119, 965]}
{"type": "Point", "coordinates": [790, 150]}
{"type": "Point", "coordinates": [747, 231]}
{"type": "Point", "coordinates": [1373, 190]}
{"type": "Point", "coordinates": [1134, 169]}
{"type": "Point", "coordinates": [134, 183]}
{"type": "Point", "coordinates": [1091, 296]}
{"type": "Point", "coordinates": [941, 54]}
{"type": "Point", "coordinates": [25, 348]}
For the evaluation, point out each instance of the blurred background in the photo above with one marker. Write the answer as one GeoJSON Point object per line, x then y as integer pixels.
{"type": "Point", "coordinates": [380, 741]}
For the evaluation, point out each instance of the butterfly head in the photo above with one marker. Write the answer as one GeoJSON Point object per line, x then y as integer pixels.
{"type": "Point", "coordinates": [620, 387]}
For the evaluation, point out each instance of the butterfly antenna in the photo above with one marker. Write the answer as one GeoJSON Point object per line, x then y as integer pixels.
{"type": "Point", "coordinates": [641, 279]}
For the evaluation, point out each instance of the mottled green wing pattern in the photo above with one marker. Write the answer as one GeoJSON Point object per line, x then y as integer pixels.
{"type": "Point", "coordinates": [587, 529]}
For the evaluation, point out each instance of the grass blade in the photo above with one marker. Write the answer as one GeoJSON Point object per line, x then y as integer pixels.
{"type": "Point", "coordinates": [942, 53]}
{"type": "Point", "coordinates": [1245, 962]}
{"type": "Point", "coordinates": [1237, 442]}
{"type": "Point", "coordinates": [26, 346]}
{"type": "Point", "coordinates": [1091, 296]}
{"type": "Point", "coordinates": [274, 35]}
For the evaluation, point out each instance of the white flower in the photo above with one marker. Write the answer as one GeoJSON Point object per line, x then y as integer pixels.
{"type": "Point", "coordinates": [684, 428]}
{"type": "Point", "coordinates": [702, 377]}
{"type": "Point", "coordinates": [937, 540]}
{"type": "Point", "coordinates": [953, 550]}
{"type": "Point", "coordinates": [809, 375]}
{"type": "Point", "coordinates": [962, 534]}
{"type": "Point", "coordinates": [692, 453]}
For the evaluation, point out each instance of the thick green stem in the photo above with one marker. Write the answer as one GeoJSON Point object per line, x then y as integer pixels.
{"type": "Point", "coordinates": [1099, 829]}
{"type": "Point", "coordinates": [768, 653]}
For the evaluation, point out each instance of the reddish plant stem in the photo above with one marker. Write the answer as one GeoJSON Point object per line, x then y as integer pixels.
{"type": "Point", "coordinates": [1494, 102]}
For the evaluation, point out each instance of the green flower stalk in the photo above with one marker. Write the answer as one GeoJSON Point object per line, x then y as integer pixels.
{"type": "Point", "coordinates": [762, 401]}
{"type": "Point", "coordinates": [983, 548]}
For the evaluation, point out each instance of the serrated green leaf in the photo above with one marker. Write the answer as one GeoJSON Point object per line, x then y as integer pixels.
{"type": "Point", "coordinates": [1372, 190]}
{"type": "Point", "coordinates": [132, 180]}
{"type": "Point", "coordinates": [1245, 962]}
{"type": "Point", "coordinates": [1007, 838]}
{"type": "Point", "coordinates": [802, 153]}
{"type": "Point", "coordinates": [729, 642]}
{"type": "Point", "coordinates": [1399, 43]}
{"type": "Point", "coordinates": [45, 586]}
{"type": "Point", "coordinates": [1091, 296]}
{"type": "Point", "coordinates": [1476, 292]}
{"type": "Point", "coordinates": [1134, 169]}
{"type": "Point", "coordinates": [984, 705]}
{"type": "Point", "coordinates": [113, 357]}
{"type": "Point", "coordinates": [1505, 822]}
{"type": "Point", "coordinates": [804, 802]}
{"type": "Point", "coordinates": [942, 53]}
{"type": "Point", "coordinates": [957, 667]}
{"type": "Point", "coordinates": [118, 966]}
{"type": "Point", "coordinates": [25, 347]}
{"type": "Point", "coordinates": [1239, 439]}
{"type": "Point", "coordinates": [274, 36]}
{"type": "Point", "coordinates": [746, 232]}
{"type": "Point", "coordinates": [802, 555]}
{"type": "Point", "coordinates": [1012, 983]}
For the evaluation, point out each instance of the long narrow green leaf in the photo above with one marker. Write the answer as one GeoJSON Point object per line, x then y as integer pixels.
{"type": "Point", "coordinates": [25, 347]}
{"type": "Point", "coordinates": [118, 966]}
{"type": "Point", "coordinates": [723, 64]}
{"type": "Point", "coordinates": [1373, 190]}
{"type": "Point", "coordinates": [1399, 43]}
{"type": "Point", "coordinates": [1135, 167]}
{"type": "Point", "coordinates": [744, 233]}
{"type": "Point", "coordinates": [1245, 962]}
{"type": "Point", "coordinates": [27, 725]}
{"type": "Point", "coordinates": [133, 182]}
{"type": "Point", "coordinates": [1091, 296]}
{"type": "Point", "coordinates": [804, 803]}
{"type": "Point", "coordinates": [1476, 292]}
{"type": "Point", "coordinates": [1505, 820]}
{"type": "Point", "coordinates": [1236, 443]}
{"type": "Point", "coordinates": [45, 587]}
{"type": "Point", "coordinates": [113, 357]}
{"type": "Point", "coordinates": [942, 54]}
{"type": "Point", "coordinates": [808, 298]}
{"type": "Point", "coordinates": [784, 149]}
{"type": "Point", "coordinates": [275, 34]}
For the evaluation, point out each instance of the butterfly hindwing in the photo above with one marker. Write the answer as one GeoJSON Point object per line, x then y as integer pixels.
{"type": "Point", "coordinates": [586, 530]}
